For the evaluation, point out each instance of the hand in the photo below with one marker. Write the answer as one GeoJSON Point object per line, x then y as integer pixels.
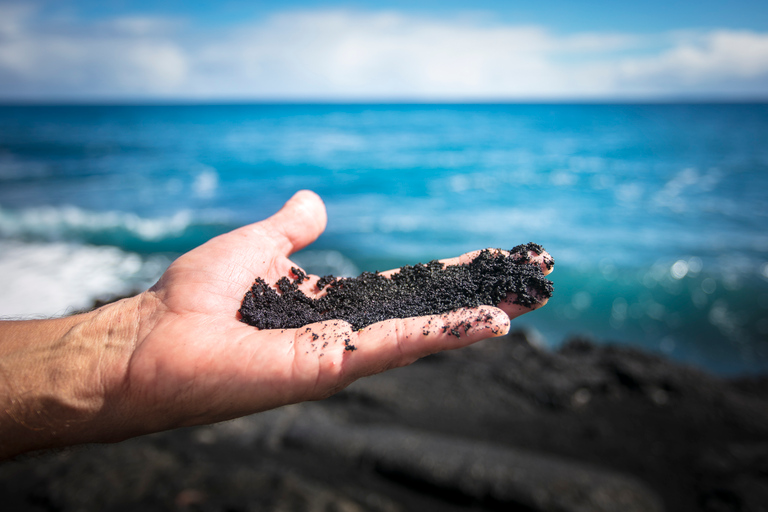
{"type": "Point", "coordinates": [178, 354]}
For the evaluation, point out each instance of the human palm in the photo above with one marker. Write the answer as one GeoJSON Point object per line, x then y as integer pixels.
{"type": "Point", "coordinates": [195, 362]}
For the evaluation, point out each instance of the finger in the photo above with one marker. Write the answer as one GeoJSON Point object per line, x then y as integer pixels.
{"type": "Point", "coordinates": [526, 255]}
{"type": "Point", "coordinates": [398, 342]}
{"type": "Point", "coordinates": [543, 259]}
{"type": "Point", "coordinates": [298, 223]}
{"type": "Point", "coordinates": [514, 310]}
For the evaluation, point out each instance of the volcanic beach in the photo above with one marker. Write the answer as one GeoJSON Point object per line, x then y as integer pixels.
{"type": "Point", "coordinates": [655, 214]}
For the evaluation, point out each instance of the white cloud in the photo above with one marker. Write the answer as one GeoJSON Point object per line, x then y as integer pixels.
{"type": "Point", "coordinates": [718, 58]}
{"type": "Point", "coordinates": [123, 57]}
{"type": "Point", "coordinates": [359, 55]}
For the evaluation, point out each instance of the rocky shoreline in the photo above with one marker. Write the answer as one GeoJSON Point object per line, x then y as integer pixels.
{"type": "Point", "coordinates": [501, 425]}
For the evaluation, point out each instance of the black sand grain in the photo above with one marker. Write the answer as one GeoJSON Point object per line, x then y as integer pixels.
{"type": "Point", "coordinates": [422, 289]}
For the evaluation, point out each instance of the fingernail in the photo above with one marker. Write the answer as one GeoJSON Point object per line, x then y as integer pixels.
{"type": "Point", "coordinates": [504, 326]}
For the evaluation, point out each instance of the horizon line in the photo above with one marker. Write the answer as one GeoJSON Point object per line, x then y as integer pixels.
{"type": "Point", "coordinates": [158, 101]}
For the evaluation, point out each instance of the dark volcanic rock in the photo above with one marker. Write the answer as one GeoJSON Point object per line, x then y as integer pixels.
{"type": "Point", "coordinates": [611, 407]}
{"type": "Point", "coordinates": [470, 471]}
{"type": "Point", "coordinates": [501, 425]}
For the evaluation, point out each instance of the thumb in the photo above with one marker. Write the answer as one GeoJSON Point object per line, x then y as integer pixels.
{"type": "Point", "coordinates": [298, 223]}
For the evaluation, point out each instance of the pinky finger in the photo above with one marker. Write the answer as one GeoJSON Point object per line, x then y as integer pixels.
{"type": "Point", "coordinates": [401, 341]}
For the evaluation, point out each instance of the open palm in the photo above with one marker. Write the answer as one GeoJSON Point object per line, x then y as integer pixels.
{"type": "Point", "coordinates": [195, 362]}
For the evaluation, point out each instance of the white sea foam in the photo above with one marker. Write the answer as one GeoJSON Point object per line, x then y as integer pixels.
{"type": "Point", "coordinates": [64, 222]}
{"type": "Point", "coordinates": [51, 279]}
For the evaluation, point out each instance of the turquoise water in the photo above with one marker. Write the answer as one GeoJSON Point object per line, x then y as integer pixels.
{"type": "Point", "coordinates": [655, 214]}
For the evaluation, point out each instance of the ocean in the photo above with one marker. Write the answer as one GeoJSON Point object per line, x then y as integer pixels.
{"type": "Point", "coordinates": [657, 215]}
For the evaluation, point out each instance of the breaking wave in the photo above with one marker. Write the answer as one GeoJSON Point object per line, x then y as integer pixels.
{"type": "Point", "coordinates": [178, 232]}
{"type": "Point", "coordinates": [57, 278]}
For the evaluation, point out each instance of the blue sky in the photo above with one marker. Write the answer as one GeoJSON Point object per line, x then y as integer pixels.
{"type": "Point", "coordinates": [638, 17]}
{"type": "Point", "coordinates": [396, 50]}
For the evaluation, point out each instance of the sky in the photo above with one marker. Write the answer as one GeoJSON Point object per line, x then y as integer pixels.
{"type": "Point", "coordinates": [301, 50]}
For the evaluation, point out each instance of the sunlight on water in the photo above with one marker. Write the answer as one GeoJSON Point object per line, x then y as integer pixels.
{"type": "Point", "coordinates": [655, 214]}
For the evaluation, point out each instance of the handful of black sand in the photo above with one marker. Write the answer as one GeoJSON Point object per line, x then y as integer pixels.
{"type": "Point", "coordinates": [413, 291]}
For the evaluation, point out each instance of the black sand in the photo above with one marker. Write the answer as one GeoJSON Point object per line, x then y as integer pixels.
{"type": "Point", "coordinates": [414, 291]}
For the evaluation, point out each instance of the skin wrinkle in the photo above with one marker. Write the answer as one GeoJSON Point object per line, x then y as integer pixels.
{"type": "Point", "coordinates": [124, 386]}
{"type": "Point", "coordinates": [238, 273]}
{"type": "Point", "coordinates": [285, 248]}
{"type": "Point", "coordinates": [399, 327]}
{"type": "Point", "coordinates": [218, 394]}
{"type": "Point", "coordinates": [228, 275]}
{"type": "Point", "coordinates": [197, 301]}
{"type": "Point", "coordinates": [150, 374]}
{"type": "Point", "coordinates": [319, 375]}
{"type": "Point", "coordinates": [296, 349]}
{"type": "Point", "coordinates": [284, 245]}
{"type": "Point", "coordinates": [240, 261]}
{"type": "Point", "coordinates": [340, 366]}
{"type": "Point", "coordinates": [16, 398]}
{"type": "Point", "coordinates": [134, 326]}
{"type": "Point", "coordinates": [319, 365]}
{"type": "Point", "coordinates": [274, 263]}
{"type": "Point", "coordinates": [21, 407]}
{"type": "Point", "coordinates": [73, 348]}
{"type": "Point", "coordinates": [102, 384]}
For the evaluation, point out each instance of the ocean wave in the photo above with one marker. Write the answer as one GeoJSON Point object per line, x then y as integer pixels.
{"type": "Point", "coordinates": [56, 223]}
{"type": "Point", "coordinates": [52, 279]}
{"type": "Point", "coordinates": [177, 232]}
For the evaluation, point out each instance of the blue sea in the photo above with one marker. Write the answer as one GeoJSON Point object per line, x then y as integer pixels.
{"type": "Point", "coordinates": [657, 215]}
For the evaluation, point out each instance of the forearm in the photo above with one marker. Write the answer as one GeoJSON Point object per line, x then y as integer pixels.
{"type": "Point", "coordinates": [56, 377]}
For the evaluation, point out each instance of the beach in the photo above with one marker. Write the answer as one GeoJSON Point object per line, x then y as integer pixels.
{"type": "Point", "coordinates": [229, 211]}
{"type": "Point", "coordinates": [641, 385]}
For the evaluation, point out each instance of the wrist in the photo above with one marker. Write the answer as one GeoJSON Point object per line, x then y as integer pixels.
{"type": "Point", "coordinates": [57, 377]}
